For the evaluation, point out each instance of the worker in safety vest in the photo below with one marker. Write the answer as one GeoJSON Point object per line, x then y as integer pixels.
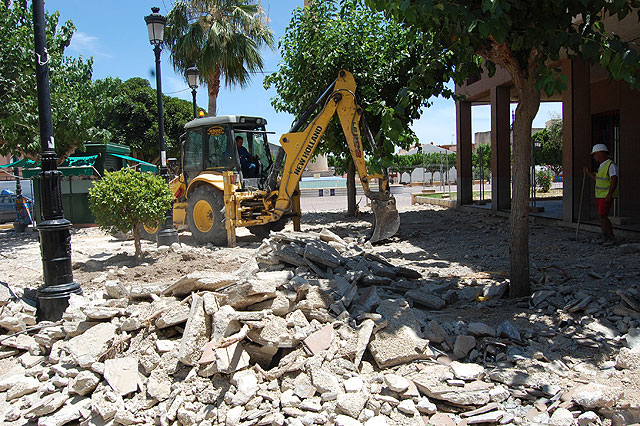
{"type": "Point", "coordinates": [606, 180]}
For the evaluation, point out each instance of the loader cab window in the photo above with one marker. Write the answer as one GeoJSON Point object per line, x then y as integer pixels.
{"type": "Point", "coordinates": [192, 157]}
{"type": "Point", "coordinates": [257, 146]}
{"type": "Point", "coordinates": [218, 149]}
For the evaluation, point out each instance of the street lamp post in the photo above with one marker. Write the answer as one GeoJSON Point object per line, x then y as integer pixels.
{"type": "Point", "coordinates": [193, 77]}
{"type": "Point", "coordinates": [54, 229]}
{"type": "Point", "coordinates": [167, 234]}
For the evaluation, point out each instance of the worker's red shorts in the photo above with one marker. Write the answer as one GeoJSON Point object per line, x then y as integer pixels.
{"type": "Point", "coordinates": [603, 206]}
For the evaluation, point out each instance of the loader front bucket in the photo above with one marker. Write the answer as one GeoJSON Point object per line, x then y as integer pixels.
{"type": "Point", "coordinates": [386, 220]}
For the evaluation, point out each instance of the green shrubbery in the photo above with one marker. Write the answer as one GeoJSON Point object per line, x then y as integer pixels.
{"type": "Point", "coordinates": [543, 180]}
{"type": "Point", "coordinates": [123, 200]}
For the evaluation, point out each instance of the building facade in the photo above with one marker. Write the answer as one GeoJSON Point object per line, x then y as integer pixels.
{"type": "Point", "coordinates": [595, 109]}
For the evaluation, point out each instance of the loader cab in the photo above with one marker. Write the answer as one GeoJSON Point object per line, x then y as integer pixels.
{"type": "Point", "coordinates": [209, 146]}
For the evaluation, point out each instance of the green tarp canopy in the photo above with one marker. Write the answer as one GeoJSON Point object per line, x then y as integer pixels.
{"type": "Point", "coordinates": [72, 166]}
{"type": "Point", "coordinates": [144, 166]}
{"type": "Point", "coordinates": [19, 163]}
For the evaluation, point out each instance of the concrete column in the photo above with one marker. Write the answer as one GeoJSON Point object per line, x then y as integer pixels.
{"type": "Point", "coordinates": [464, 164]}
{"type": "Point", "coordinates": [576, 135]}
{"type": "Point", "coordinates": [500, 149]}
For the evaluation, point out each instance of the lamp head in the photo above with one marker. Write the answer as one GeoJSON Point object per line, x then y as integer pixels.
{"type": "Point", "coordinates": [155, 25]}
{"type": "Point", "coordinates": [193, 77]}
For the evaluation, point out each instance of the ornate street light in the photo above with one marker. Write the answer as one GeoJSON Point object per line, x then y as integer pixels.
{"type": "Point", "coordinates": [167, 234]}
{"type": "Point", "coordinates": [193, 78]}
{"type": "Point", "coordinates": [54, 229]}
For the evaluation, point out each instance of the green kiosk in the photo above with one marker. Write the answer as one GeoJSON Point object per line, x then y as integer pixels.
{"type": "Point", "coordinates": [80, 170]}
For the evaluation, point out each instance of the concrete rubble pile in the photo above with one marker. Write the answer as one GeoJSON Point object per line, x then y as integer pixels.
{"type": "Point", "coordinates": [314, 330]}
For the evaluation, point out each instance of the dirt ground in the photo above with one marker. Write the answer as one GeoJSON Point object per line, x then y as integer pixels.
{"type": "Point", "coordinates": [458, 248]}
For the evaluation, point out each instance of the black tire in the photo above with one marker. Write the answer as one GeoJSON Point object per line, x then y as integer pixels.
{"type": "Point", "coordinates": [148, 233]}
{"type": "Point", "coordinates": [262, 231]}
{"type": "Point", "coordinates": [205, 216]}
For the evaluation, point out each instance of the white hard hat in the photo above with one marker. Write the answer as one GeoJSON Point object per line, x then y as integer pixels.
{"type": "Point", "coordinates": [600, 147]}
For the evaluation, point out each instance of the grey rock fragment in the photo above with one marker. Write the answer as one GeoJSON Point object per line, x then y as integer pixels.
{"type": "Point", "coordinates": [427, 300]}
{"type": "Point", "coordinates": [463, 345]}
{"type": "Point", "coordinates": [508, 330]}
{"type": "Point", "coordinates": [480, 329]}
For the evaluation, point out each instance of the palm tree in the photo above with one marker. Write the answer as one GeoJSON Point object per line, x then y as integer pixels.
{"type": "Point", "coordinates": [219, 37]}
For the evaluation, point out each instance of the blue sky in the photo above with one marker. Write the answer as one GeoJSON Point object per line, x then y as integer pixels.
{"type": "Point", "coordinates": [115, 35]}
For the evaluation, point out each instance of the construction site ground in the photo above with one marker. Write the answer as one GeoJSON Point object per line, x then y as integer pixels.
{"type": "Point", "coordinates": [570, 334]}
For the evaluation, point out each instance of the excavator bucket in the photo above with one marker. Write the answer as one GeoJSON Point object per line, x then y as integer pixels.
{"type": "Point", "coordinates": [386, 219]}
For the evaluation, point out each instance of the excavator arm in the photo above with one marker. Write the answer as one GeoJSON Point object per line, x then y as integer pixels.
{"type": "Point", "coordinates": [299, 146]}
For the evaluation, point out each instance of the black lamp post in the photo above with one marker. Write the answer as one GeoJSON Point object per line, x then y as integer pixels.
{"type": "Point", "coordinates": [193, 77]}
{"type": "Point", "coordinates": [167, 234]}
{"type": "Point", "coordinates": [54, 229]}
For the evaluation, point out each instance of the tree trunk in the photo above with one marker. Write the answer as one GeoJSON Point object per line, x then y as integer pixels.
{"type": "Point", "coordinates": [213, 84]}
{"type": "Point", "coordinates": [136, 241]}
{"type": "Point", "coordinates": [351, 189]}
{"type": "Point", "coordinates": [528, 105]}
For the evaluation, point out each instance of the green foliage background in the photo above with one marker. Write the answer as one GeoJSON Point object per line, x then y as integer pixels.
{"type": "Point", "coordinates": [73, 110]}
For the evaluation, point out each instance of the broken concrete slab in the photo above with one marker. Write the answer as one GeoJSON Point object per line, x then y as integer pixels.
{"type": "Point", "coordinates": [428, 300]}
{"type": "Point", "coordinates": [93, 342]}
{"type": "Point", "coordinates": [84, 383]}
{"type": "Point", "coordinates": [122, 375]}
{"type": "Point", "coordinates": [196, 333]}
{"type": "Point", "coordinates": [200, 280]}
{"type": "Point", "coordinates": [175, 313]}
{"type": "Point", "coordinates": [467, 371]}
{"type": "Point", "coordinates": [320, 340]}
{"type": "Point", "coordinates": [232, 358]}
{"type": "Point", "coordinates": [323, 254]}
{"type": "Point", "coordinates": [397, 345]}
{"type": "Point", "coordinates": [463, 345]}
{"type": "Point", "coordinates": [263, 287]}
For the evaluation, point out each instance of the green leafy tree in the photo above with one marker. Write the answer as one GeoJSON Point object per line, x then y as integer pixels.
{"type": "Point", "coordinates": [522, 38]}
{"type": "Point", "coordinates": [481, 159]}
{"type": "Point", "coordinates": [550, 151]}
{"type": "Point", "coordinates": [122, 201]}
{"type": "Point", "coordinates": [73, 110]}
{"type": "Point", "coordinates": [327, 36]}
{"type": "Point", "coordinates": [222, 38]}
{"type": "Point", "coordinates": [130, 114]}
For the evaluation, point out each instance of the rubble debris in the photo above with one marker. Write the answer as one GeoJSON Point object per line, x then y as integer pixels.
{"type": "Point", "coordinates": [314, 330]}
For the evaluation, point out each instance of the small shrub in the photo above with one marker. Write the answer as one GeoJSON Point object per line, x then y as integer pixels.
{"type": "Point", "coordinates": [123, 200]}
{"type": "Point", "coordinates": [543, 180]}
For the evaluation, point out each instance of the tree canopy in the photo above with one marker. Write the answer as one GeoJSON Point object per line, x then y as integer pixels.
{"type": "Point", "coordinates": [397, 70]}
{"type": "Point", "coordinates": [73, 109]}
{"type": "Point", "coordinates": [222, 38]}
{"type": "Point", "coordinates": [130, 115]}
{"type": "Point", "coordinates": [526, 39]}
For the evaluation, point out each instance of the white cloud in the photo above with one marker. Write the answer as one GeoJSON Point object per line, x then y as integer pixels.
{"type": "Point", "coordinates": [87, 45]}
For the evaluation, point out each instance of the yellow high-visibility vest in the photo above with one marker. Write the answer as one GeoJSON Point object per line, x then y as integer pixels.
{"type": "Point", "coordinates": [603, 181]}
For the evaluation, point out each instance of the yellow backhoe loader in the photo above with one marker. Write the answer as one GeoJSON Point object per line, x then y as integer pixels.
{"type": "Point", "coordinates": [229, 178]}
